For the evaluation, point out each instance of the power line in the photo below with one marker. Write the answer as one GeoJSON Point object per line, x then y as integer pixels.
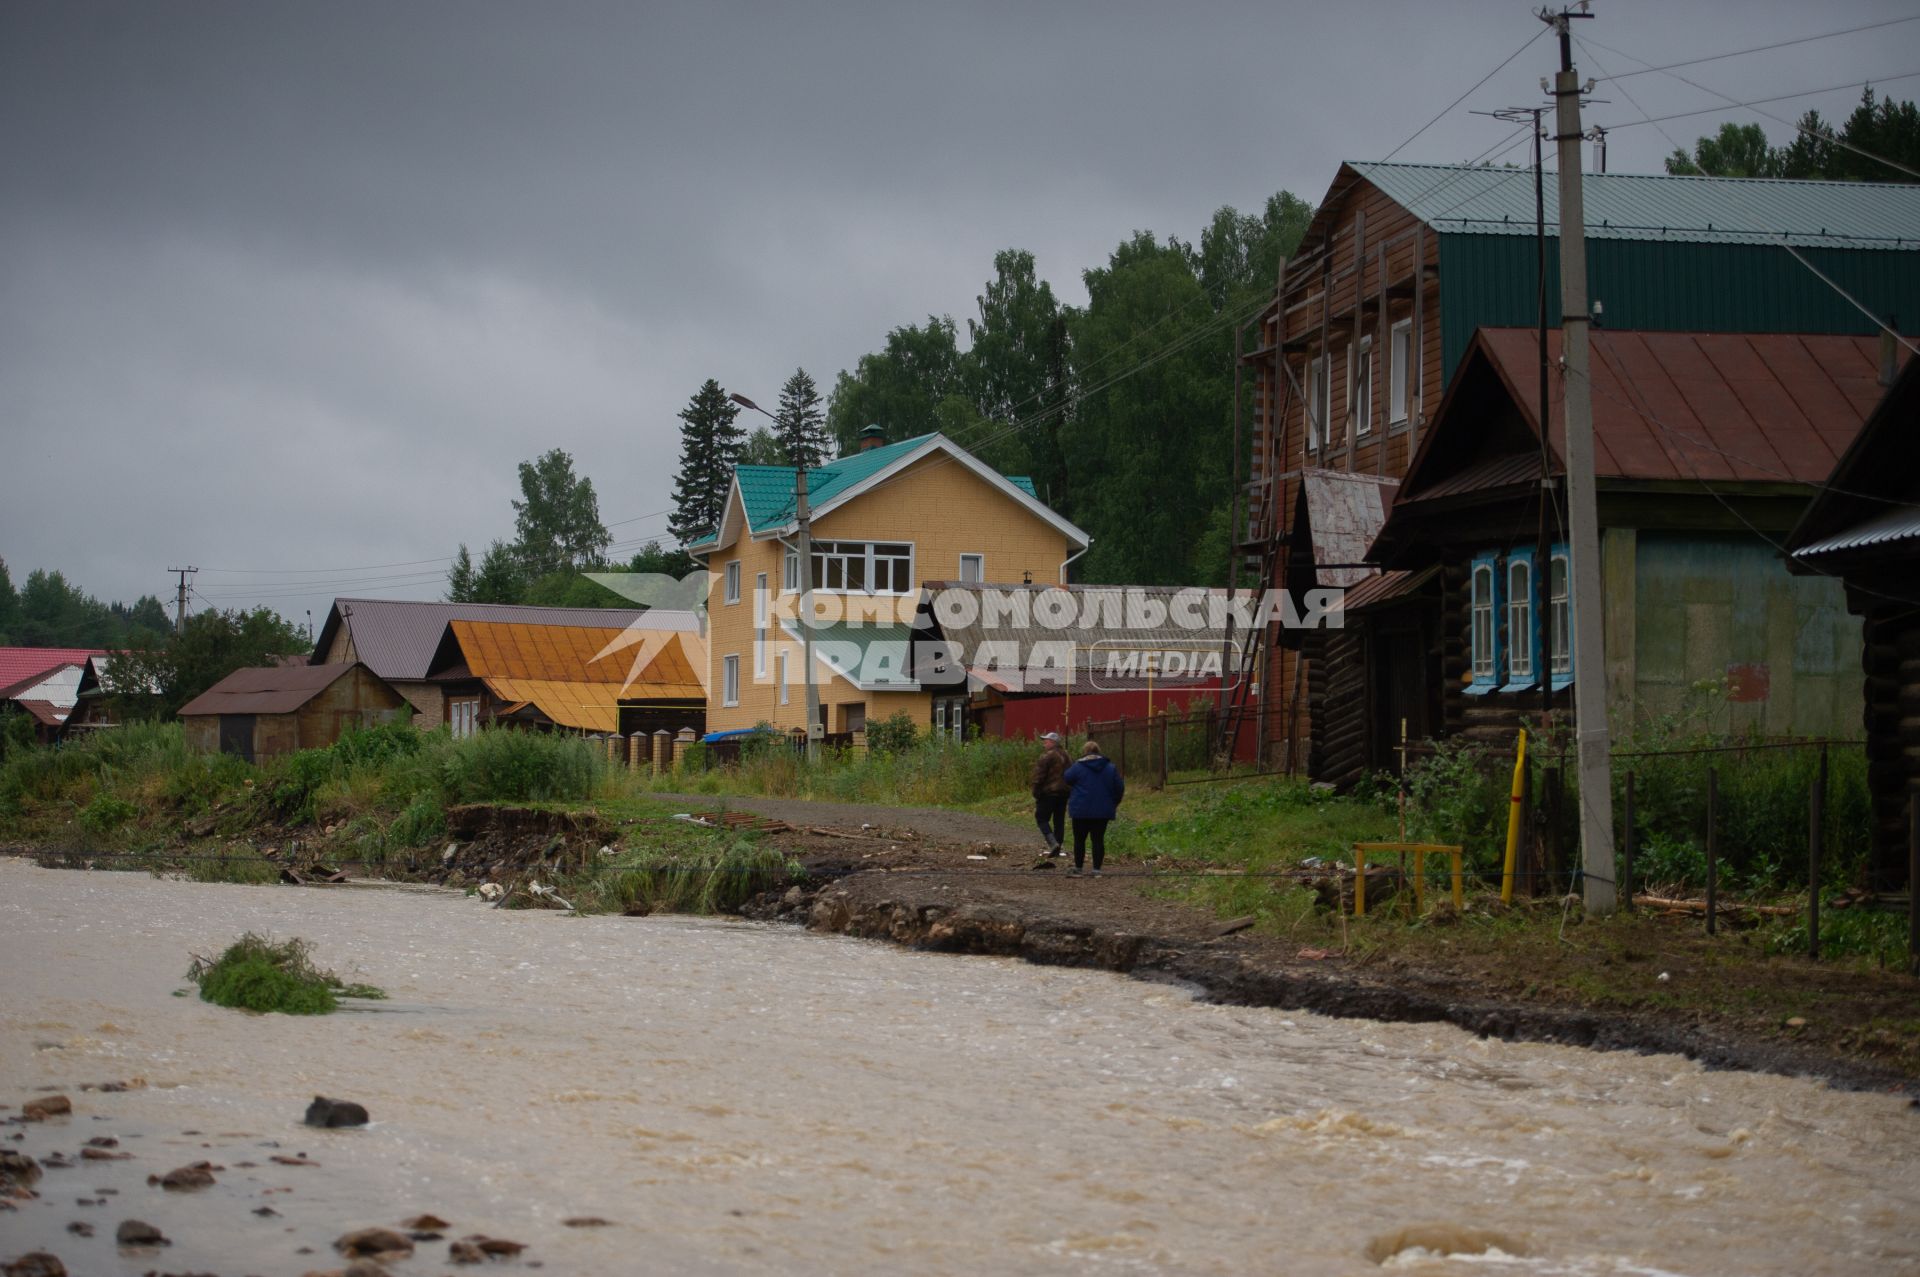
{"type": "Point", "coordinates": [1855, 301]}
{"type": "Point", "coordinates": [1778, 97]}
{"type": "Point", "coordinates": [1762, 48]}
{"type": "Point", "coordinates": [1628, 95]}
{"type": "Point", "coordinates": [1464, 96]}
{"type": "Point", "coordinates": [407, 563]}
{"type": "Point", "coordinates": [1798, 128]}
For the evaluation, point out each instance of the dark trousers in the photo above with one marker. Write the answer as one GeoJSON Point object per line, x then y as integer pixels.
{"type": "Point", "coordinates": [1050, 813]}
{"type": "Point", "coordinates": [1083, 829]}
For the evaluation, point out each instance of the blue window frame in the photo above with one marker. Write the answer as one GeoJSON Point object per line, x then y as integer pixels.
{"type": "Point", "coordinates": [1483, 624]}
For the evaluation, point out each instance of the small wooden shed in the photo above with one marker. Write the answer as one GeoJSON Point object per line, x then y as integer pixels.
{"type": "Point", "coordinates": [269, 711]}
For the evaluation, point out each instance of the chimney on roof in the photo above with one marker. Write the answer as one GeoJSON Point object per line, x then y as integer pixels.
{"type": "Point", "coordinates": [1889, 352]}
{"type": "Point", "coordinates": [870, 438]}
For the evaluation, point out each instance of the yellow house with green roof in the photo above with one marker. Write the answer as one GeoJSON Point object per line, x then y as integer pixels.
{"type": "Point", "coordinates": [885, 521]}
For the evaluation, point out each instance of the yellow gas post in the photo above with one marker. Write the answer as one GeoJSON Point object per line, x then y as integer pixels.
{"type": "Point", "coordinates": [1513, 818]}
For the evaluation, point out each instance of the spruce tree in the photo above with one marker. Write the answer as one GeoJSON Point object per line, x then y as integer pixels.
{"type": "Point", "coordinates": [460, 577]}
{"type": "Point", "coordinates": [710, 447]}
{"type": "Point", "coordinates": [803, 422]}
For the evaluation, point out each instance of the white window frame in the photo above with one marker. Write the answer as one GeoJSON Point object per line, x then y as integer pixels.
{"type": "Point", "coordinates": [1399, 372]}
{"type": "Point", "coordinates": [790, 571]}
{"type": "Point", "coordinates": [979, 569]}
{"type": "Point", "coordinates": [1482, 622]}
{"type": "Point", "coordinates": [1519, 573]}
{"type": "Point", "coordinates": [780, 664]}
{"type": "Point", "coordinates": [730, 680]}
{"type": "Point", "coordinates": [829, 554]}
{"type": "Point", "coordinates": [1318, 393]}
{"type": "Point", "coordinates": [760, 607]}
{"type": "Point", "coordinates": [733, 581]}
{"type": "Point", "coordinates": [1559, 615]}
{"type": "Point", "coordinates": [1360, 392]}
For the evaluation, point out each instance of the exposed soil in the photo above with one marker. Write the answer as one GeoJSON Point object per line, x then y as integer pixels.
{"type": "Point", "coordinates": [960, 883]}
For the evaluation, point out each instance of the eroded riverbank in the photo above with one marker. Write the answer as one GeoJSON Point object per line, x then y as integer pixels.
{"type": "Point", "coordinates": [743, 1098]}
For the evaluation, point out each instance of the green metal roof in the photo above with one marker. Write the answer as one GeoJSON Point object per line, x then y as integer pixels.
{"type": "Point", "coordinates": [767, 491]}
{"type": "Point", "coordinates": [1460, 200]}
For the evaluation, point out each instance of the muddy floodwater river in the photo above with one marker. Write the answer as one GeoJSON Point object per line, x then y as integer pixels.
{"type": "Point", "coordinates": [745, 1098]}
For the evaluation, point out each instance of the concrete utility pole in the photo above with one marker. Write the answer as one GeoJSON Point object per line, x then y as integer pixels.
{"type": "Point", "coordinates": [816, 730]}
{"type": "Point", "coordinates": [1589, 660]}
{"type": "Point", "coordinates": [180, 598]}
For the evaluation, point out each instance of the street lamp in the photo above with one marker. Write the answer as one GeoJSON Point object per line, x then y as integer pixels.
{"type": "Point", "coordinates": [814, 728]}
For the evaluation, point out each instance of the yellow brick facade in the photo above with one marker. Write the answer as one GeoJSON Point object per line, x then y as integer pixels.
{"type": "Point", "coordinates": [937, 505]}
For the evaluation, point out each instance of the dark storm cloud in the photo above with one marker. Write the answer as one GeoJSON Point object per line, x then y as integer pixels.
{"type": "Point", "coordinates": [295, 286]}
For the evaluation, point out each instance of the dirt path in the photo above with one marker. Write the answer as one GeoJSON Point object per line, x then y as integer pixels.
{"type": "Point", "coordinates": [965, 883]}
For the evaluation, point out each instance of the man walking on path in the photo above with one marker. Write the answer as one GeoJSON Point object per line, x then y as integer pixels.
{"type": "Point", "coordinates": [1049, 784]}
{"type": "Point", "coordinates": [1097, 790]}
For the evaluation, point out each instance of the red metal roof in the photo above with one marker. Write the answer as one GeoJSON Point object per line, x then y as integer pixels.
{"type": "Point", "coordinates": [20, 664]}
{"type": "Point", "coordinates": [1727, 407]}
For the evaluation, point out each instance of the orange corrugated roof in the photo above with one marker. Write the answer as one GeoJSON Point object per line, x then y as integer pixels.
{"type": "Point", "coordinates": [577, 675]}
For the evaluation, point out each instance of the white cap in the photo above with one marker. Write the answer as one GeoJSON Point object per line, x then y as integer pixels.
{"type": "Point", "coordinates": [1051, 736]}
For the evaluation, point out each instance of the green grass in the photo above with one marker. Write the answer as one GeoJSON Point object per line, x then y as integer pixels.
{"type": "Point", "coordinates": [709, 880]}
{"type": "Point", "coordinates": [926, 774]}
{"type": "Point", "coordinates": [256, 974]}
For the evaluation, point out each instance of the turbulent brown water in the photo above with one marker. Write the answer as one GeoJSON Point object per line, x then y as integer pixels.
{"type": "Point", "coordinates": [738, 1098]}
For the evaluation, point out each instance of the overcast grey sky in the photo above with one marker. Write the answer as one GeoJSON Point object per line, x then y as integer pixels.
{"type": "Point", "coordinates": [286, 291]}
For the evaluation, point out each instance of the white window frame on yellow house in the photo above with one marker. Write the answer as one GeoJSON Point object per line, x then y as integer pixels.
{"type": "Point", "coordinates": [790, 571]}
{"type": "Point", "coordinates": [839, 553]}
{"type": "Point", "coordinates": [761, 602]}
{"type": "Point", "coordinates": [979, 569]}
{"type": "Point", "coordinates": [780, 664]}
{"type": "Point", "coordinates": [730, 680]}
{"type": "Point", "coordinates": [733, 581]}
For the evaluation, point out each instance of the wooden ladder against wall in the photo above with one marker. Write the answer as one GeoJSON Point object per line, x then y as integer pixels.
{"type": "Point", "coordinates": [1259, 553]}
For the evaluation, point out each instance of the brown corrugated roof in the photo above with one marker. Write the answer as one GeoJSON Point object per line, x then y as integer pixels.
{"type": "Point", "coordinates": [396, 638]}
{"type": "Point", "coordinates": [45, 712]}
{"type": "Point", "coordinates": [266, 689]}
{"type": "Point", "coordinates": [1738, 407]}
{"type": "Point", "coordinates": [1385, 587]}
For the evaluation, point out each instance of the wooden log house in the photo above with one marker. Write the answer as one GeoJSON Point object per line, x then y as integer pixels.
{"type": "Point", "coordinates": [1863, 529]}
{"type": "Point", "coordinates": [1400, 266]}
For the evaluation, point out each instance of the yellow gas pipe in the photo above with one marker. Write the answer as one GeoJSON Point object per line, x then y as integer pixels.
{"type": "Point", "coordinates": [1513, 818]}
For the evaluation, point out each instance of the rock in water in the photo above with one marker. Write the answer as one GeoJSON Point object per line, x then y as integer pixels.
{"type": "Point", "coordinates": [374, 1243]}
{"type": "Point", "coordinates": [138, 1232]}
{"type": "Point", "coordinates": [184, 1178]}
{"type": "Point", "coordinates": [35, 1264]}
{"type": "Point", "coordinates": [49, 1106]}
{"type": "Point", "coordinates": [17, 1170]}
{"type": "Point", "coordinates": [326, 1112]}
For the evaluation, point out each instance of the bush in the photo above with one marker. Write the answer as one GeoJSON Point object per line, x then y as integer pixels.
{"type": "Point", "coordinates": [515, 766]}
{"type": "Point", "coordinates": [106, 813]}
{"type": "Point", "coordinates": [719, 881]}
{"type": "Point", "coordinates": [895, 735]}
{"type": "Point", "coordinates": [255, 974]}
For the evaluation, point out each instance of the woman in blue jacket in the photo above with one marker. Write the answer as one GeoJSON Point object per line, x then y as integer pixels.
{"type": "Point", "coordinates": [1096, 788]}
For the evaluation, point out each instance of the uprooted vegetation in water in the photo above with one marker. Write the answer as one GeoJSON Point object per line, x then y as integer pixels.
{"type": "Point", "coordinates": [257, 974]}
